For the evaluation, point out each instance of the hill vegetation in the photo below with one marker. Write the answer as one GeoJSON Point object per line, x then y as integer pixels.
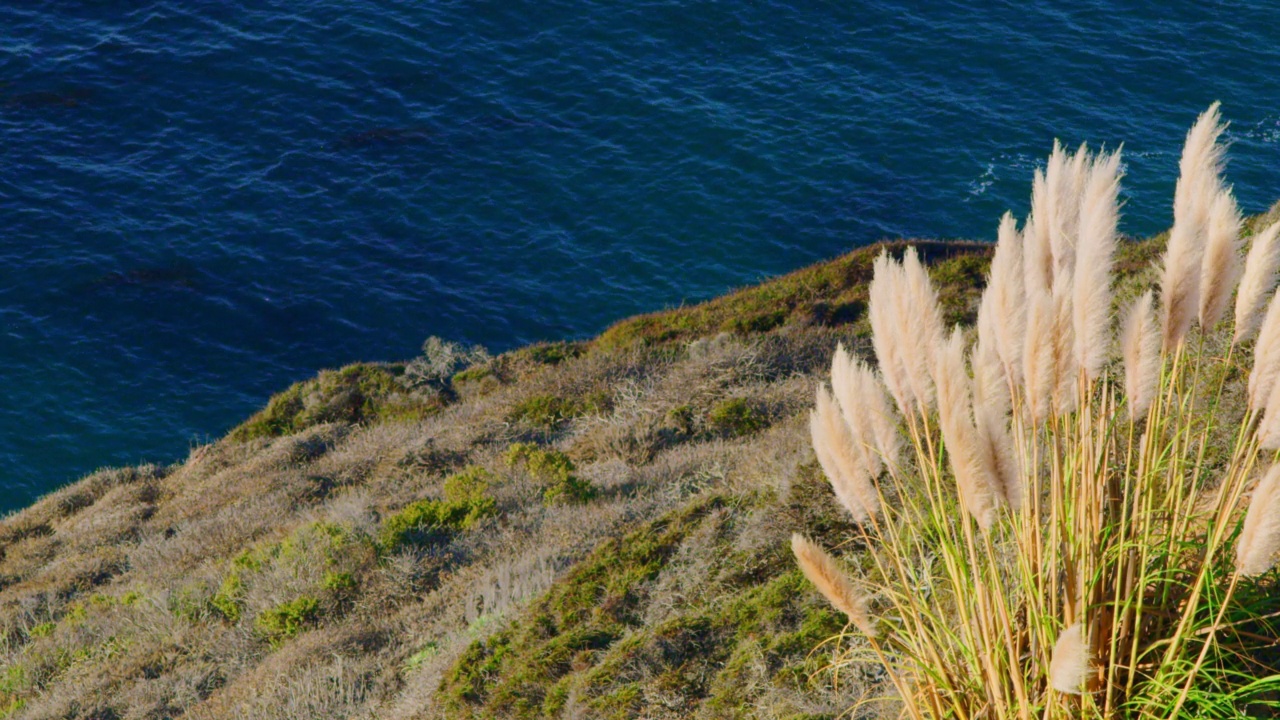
{"type": "Point", "coordinates": [580, 529]}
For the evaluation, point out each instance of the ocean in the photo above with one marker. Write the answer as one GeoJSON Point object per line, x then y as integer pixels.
{"type": "Point", "coordinates": [204, 201]}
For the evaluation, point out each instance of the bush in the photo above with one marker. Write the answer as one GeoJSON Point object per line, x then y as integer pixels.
{"type": "Point", "coordinates": [355, 394]}
{"type": "Point", "coordinates": [555, 470]}
{"type": "Point", "coordinates": [547, 411]}
{"type": "Point", "coordinates": [441, 360]}
{"type": "Point", "coordinates": [736, 417]}
{"type": "Point", "coordinates": [288, 619]}
{"type": "Point", "coordinates": [466, 503]}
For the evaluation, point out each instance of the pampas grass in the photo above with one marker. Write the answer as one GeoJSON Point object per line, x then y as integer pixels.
{"type": "Point", "coordinates": [825, 574]}
{"type": "Point", "coordinates": [1259, 280]}
{"type": "Point", "coordinates": [1199, 186]}
{"type": "Point", "coordinates": [1222, 262]}
{"type": "Point", "coordinates": [1002, 313]}
{"type": "Point", "coordinates": [1040, 553]}
{"type": "Point", "coordinates": [1140, 345]}
{"type": "Point", "coordinates": [843, 458]}
{"type": "Point", "coordinates": [1260, 537]}
{"type": "Point", "coordinates": [1069, 668]}
{"type": "Point", "coordinates": [1091, 292]}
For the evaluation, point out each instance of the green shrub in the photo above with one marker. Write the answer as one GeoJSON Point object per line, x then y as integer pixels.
{"type": "Point", "coordinates": [466, 503]}
{"type": "Point", "coordinates": [572, 490]}
{"type": "Point", "coordinates": [227, 601]}
{"type": "Point", "coordinates": [355, 394]}
{"type": "Point", "coordinates": [470, 484]}
{"type": "Point", "coordinates": [287, 619]}
{"type": "Point", "coordinates": [43, 630]}
{"type": "Point", "coordinates": [555, 470]}
{"type": "Point", "coordinates": [339, 582]}
{"type": "Point", "coordinates": [735, 417]}
{"type": "Point", "coordinates": [547, 411]}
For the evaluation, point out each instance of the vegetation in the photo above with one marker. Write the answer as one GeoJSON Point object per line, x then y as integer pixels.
{"type": "Point", "coordinates": [736, 416]}
{"type": "Point", "coordinates": [1053, 508]}
{"type": "Point", "coordinates": [287, 619]}
{"type": "Point", "coordinates": [359, 393]}
{"type": "Point", "coordinates": [555, 470]}
{"type": "Point", "coordinates": [466, 502]}
{"type": "Point", "coordinates": [593, 529]}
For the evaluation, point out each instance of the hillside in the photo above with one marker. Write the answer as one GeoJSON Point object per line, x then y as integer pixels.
{"type": "Point", "coordinates": [587, 529]}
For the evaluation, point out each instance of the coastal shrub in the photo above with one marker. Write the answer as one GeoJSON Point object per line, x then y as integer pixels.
{"type": "Point", "coordinates": [359, 393]}
{"type": "Point", "coordinates": [442, 360]}
{"type": "Point", "coordinates": [287, 619]}
{"type": "Point", "coordinates": [339, 582]}
{"type": "Point", "coordinates": [227, 601]}
{"type": "Point", "coordinates": [735, 417]}
{"type": "Point", "coordinates": [466, 502]}
{"type": "Point", "coordinates": [555, 470]}
{"type": "Point", "coordinates": [1053, 531]}
{"type": "Point", "coordinates": [547, 411]}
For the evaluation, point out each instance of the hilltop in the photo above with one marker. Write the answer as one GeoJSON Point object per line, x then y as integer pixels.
{"type": "Point", "coordinates": [577, 529]}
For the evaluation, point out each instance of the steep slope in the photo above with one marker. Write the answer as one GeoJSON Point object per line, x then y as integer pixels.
{"type": "Point", "coordinates": [588, 529]}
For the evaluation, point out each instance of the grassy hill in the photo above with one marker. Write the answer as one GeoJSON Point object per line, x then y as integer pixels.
{"type": "Point", "coordinates": [587, 529]}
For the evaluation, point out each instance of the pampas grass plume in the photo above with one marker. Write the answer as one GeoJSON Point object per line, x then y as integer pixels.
{"type": "Point", "coordinates": [825, 574]}
{"type": "Point", "coordinates": [1095, 250]}
{"type": "Point", "coordinates": [842, 459]}
{"type": "Point", "coordinates": [866, 409]}
{"type": "Point", "coordinates": [1069, 667]}
{"type": "Point", "coordinates": [1140, 346]}
{"type": "Point", "coordinates": [921, 323]}
{"type": "Point", "coordinates": [886, 334]}
{"type": "Point", "coordinates": [1259, 279]}
{"type": "Point", "coordinates": [1002, 313]}
{"type": "Point", "coordinates": [1260, 538]}
{"type": "Point", "coordinates": [979, 489]}
{"type": "Point", "coordinates": [1222, 263]}
{"type": "Point", "coordinates": [1266, 357]}
{"type": "Point", "coordinates": [1038, 357]}
{"type": "Point", "coordinates": [1198, 185]}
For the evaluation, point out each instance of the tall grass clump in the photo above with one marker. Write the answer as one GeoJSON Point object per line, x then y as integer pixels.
{"type": "Point", "coordinates": [1071, 510]}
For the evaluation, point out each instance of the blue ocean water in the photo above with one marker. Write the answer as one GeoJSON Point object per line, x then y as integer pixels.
{"type": "Point", "coordinates": [203, 201]}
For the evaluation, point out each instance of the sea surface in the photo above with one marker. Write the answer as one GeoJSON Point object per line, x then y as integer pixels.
{"type": "Point", "coordinates": [204, 201]}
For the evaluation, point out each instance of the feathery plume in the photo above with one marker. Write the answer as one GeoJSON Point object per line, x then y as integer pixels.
{"type": "Point", "coordinates": [1002, 314]}
{"type": "Point", "coordinates": [1038, 368]}
{"type": "Point", "coordinates": [1222, 264]}
{"type": "Point", "coordinates": [883, 314]}
{"type": "Point", "coordinates": [995, 448]}
{"type": "Point", "coordinates": [1260, 537]}
{"type": "Point", "coordinates": [978, 489]}
{"type": "Point", "coordinates": [1069, 666]}
{"type": "Point", "coordinates": [1198, 185]}
{"type": "Point", "coordinates": [825, 574]}
{"type": "Point", "coordinates": [1064, 359]}
{"type": "Point", "coordinates": [846, 388]}
{"type": "Point", "coordinates": [866, 409]}
{"type": "Point", "coordinates": [1268, 431]}
{"type": "Point", "coordinates": [842, 459]}
{"type": "Point", "coordinates": [1140, 345]}
{"type": "Point", "coordinates": [990, 383]}
{"type": "Point", "coordinates": [1037, 255]}
{"type": "Point", "coordinates": [1259, 280]}
{"type": "Point", "coordinates": [921, 320]}
{"type": "Point", "coordinates": [1065, 231]}
{"type": "Point", "coordinates": [1266, 357]}
{"type": "Point", "coordinates": [1095, 250]}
